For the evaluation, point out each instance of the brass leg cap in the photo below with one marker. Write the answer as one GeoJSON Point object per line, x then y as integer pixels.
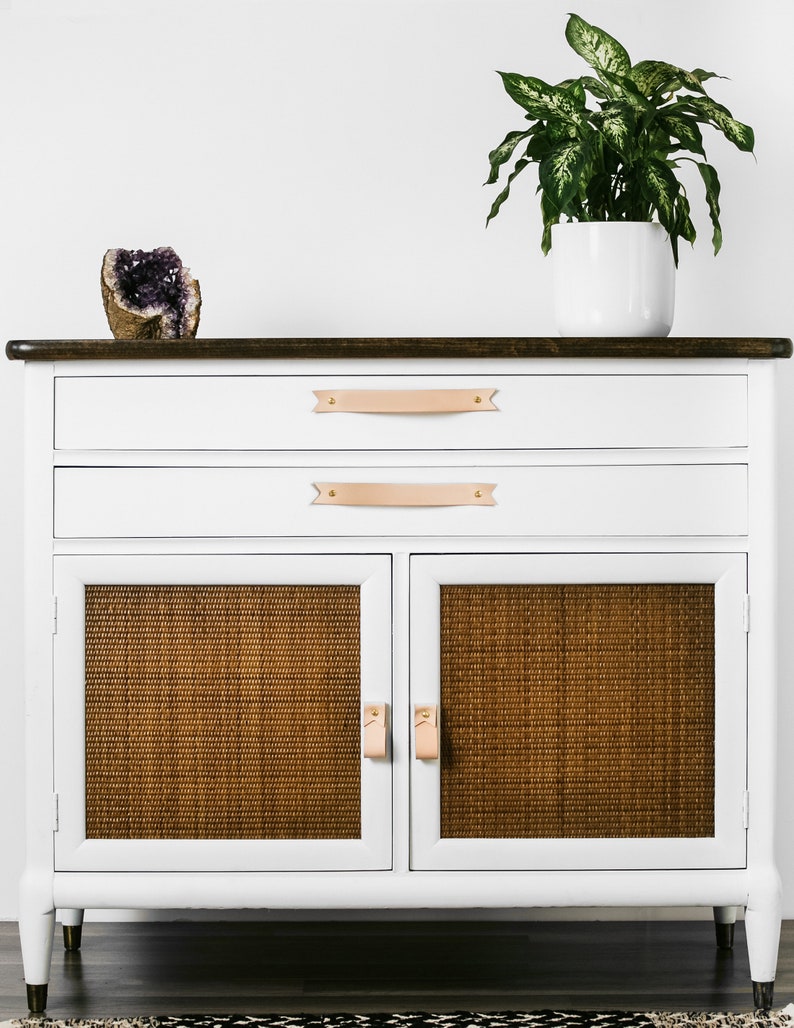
{"type": "Point", "coordinates": [763, 994]}
{"type": "Point", "coordinates": [72, 936]}
{"type": "Point", "coordinates": [725, 934]}
{"type": "Point", "coordinates": [37, 998]}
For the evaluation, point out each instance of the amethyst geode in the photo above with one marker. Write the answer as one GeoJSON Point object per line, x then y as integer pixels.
{"type": "Point", "coordinates": [149, 294]}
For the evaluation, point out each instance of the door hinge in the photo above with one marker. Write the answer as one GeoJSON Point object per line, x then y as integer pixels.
{"type": "Point", "coordinates": [55, 817]}
{"type": "Point", "coordinates": [746, 613]}
{"type": "Point", "coordinates": [55, 615]}
{"type": "Point", "coordinates": [746, 810]}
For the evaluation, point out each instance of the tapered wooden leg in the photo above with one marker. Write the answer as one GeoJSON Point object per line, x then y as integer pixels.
{"type": "Point", "coordinates": [72, 922]}
{"type": "Point", "coordinates": [36, 926]}
{"type": "Point", "coordinates": [724, 923]}
{"type": "Point", "coordinates": [36, 938]}
{"type": "Point", "coordinates": [762, 920]}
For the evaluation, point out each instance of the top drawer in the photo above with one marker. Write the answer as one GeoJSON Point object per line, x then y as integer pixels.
{"type": "Point", "coordinates": [401, 412]}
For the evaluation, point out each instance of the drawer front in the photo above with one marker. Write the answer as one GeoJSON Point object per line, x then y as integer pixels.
{"type": "Point", "coordinates": [419, 412]}
{"type": "Point", "coordinates": [674, 500]}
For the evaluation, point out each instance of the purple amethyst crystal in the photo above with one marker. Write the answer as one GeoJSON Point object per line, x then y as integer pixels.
{"type": "Point", "coordinates": [149, 294]}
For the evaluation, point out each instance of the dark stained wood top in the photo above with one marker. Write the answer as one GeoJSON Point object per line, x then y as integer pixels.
{"type": "Point", "coordinates": [340, 349]}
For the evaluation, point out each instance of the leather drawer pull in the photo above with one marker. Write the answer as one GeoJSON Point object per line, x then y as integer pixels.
{"type": "Point", "coordinates": [397, 494]}
{"type": "Point", "coordinates": [426, 731]}
{"type": "Point", "coordinates": [402, 401]}
{"type": "Point", "coordinates": [374, 725]}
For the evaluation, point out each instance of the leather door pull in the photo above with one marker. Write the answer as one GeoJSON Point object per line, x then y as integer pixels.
{"type": "Point", "coordinates": [399, 494]}
{"type": "Point", "coordinates": [426, 731]}
{"type": "Point", "coordinates": [374, 724]}
{"type": "Point", "coordinates": [402, 401]}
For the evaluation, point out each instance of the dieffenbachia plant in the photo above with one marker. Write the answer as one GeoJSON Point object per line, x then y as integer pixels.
{"type": "Point", "coordinates": [616, 159]}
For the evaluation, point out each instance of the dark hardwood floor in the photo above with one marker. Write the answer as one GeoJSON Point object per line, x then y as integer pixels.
{"type": "Point", "coordinates": [254, 967]}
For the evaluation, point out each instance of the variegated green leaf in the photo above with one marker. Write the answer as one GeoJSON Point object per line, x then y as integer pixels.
{"type": "Point", "coordinates": [720, 117]}
{"type": "Point", "coordinates": [561, 171]}
{"type": "Point", "coordinates": [560, 131]}
{"type": "Point", "coordinates": [540, 99]}
{"type": "Point", "coordinates": [575, 89]}
{"type": "Point", "coordinates": [623, 88]}
{"type": "Point", "coordinates": [683, 128]}
{"type": "Point", "coordinates": [683, 222]}
{"type": "Point", "coordinates": [520, 165]}
{"type": "Point", "coordinates": [683, 227]}
{"type": "Point", "coordinates": [704, 76]}
{"type": "Point", "coordinates": [595, 87]}
{"type": "Point", "coordinates": [539, 145]}
{"type": "Point", "coordinates": [504, 152]}
{"type": "Point", "coordinates": [712, 183]}
{"type": "Point", "coordinates": [633, 96]}
{"type": "Point", "coordinates": [659, 76]}
{"type": "Point", "coordinates": [617, 123]}
{"type": "Point", "coordinates": [690, 80]}
{"type": "Point", "coordinates": [600, 50]}
{"type": "Point", "coordinates": [649, 76]}
{"type": "Point", "coordinates": [660, 187]}
{"type": "Point", "coordinates": [551, 216]}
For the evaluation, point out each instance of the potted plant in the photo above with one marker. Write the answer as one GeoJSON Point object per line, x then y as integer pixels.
{"type": "Point", "coordinates": [608, 147]}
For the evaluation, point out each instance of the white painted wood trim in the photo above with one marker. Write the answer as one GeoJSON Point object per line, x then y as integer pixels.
{"type": "Point", "coordinates": [415, 890]}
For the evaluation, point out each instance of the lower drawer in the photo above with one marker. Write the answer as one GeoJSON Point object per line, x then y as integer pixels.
{"type": "Point", "coordinates": [660, 499]}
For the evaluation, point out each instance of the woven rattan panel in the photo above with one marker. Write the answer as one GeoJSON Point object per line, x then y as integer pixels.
{"type": "Point", "coordinates": [223, 712]}
{"type": "Point", "coordinates": [577, 711]}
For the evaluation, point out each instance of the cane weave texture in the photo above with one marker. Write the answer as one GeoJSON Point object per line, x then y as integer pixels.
{"type": "Point", "coordinates": [223, 711]}
{"type": "Point", "coordinates": [577, 711]}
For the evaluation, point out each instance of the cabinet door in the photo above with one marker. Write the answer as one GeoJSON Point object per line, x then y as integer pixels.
{"type": "Point", "coordinates": [208, 712]}
{"type": "Point", "coordinates": [591, 711]}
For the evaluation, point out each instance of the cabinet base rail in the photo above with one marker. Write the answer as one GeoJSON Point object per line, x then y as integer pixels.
{"type": "Point", "coordinates": [411, 889]}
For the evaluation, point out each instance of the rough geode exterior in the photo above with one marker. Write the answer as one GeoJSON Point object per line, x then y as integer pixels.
{"type": "Point", "coordinates": [149, 294]}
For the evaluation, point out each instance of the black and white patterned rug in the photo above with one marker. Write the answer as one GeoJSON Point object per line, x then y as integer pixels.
{"type": "Point", "coordinates": [507, 1019]}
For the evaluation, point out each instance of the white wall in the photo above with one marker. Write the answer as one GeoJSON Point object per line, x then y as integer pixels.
{"type": "Point", "coordinates": [318, 164]}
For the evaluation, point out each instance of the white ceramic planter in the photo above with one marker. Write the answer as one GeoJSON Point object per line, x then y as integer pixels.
{"type": "Point", "coordinates": [613, 278]}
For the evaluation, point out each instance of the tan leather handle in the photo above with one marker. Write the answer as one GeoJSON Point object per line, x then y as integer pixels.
{"type": "Point", "coordinates": [374, 727]}
{"type": "Point", "coordinates": [399, 494]}
{"type": "Point", "coordinates": [426, 731]}
{"type": "Point", "coordinates": [402, 401]}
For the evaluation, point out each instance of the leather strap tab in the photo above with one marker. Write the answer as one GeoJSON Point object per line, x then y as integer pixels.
{"type": "Point", "coordinates": [402, 401]}
{"type": "Point", "coordinates": [374, 723]}
{"type": "Point", "coordinates": [398, 494]}
{"type": "Point", "coordinates": [426, 731]}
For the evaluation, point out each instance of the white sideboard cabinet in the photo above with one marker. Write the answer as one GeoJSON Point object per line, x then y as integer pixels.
{"type": "Point", "coordinates": [401, 623]}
